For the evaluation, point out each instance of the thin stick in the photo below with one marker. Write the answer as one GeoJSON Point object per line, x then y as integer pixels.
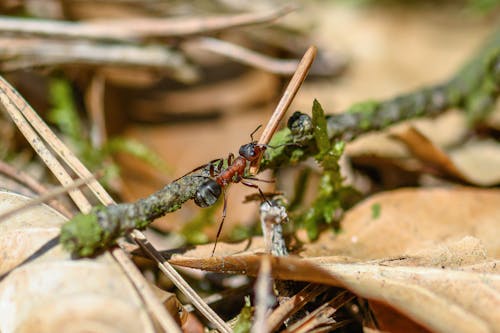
{"type": "Point", "coordinates": [293, 304]}
{"type": "Point", "coordinates": [14, 104]}
{"type": "Point", "coordinates": [322, 315]}
{"type": "Point", "coordinates": [264, 297]}
{"type": "Point", "coordinates": [33, 184]}
{"type": "Point", "coordinates": [105, 198]}
{"type": "Point", "coordinates": [44, 198]}
{"type": "Point", "coordinates": [180, 283]}
{"type": "Point", "coordinates": [20, 53]}
{"type": "Point", "coordinates": [166, 321]}
{"type": "Point", "coordinates": [94, 99]}
{"type": "Point", "coordinates": [127, 29]}
{"type": "Point", "coordinates": [246, 56]}
{"type": "Point", "coordinates": [285, 101]}
{"type": "Point", "coordinates": [25, 117]}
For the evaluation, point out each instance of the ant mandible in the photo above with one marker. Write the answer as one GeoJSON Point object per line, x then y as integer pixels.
{"type": "Point", "coordinates": [236, 171]}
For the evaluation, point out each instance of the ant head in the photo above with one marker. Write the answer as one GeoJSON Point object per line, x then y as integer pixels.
{"type": "Point", "coordinates": [251, 151]}
{"type": "Point", "coordinates": [207, 194]}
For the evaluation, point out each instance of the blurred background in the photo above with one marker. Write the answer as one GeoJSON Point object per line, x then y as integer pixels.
{"type": "Point", "coordinates": [149, 90]}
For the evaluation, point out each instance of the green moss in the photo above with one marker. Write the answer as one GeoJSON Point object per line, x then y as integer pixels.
{"type": "Point", "coordinates": [366, 111]}
{"type": "Point", "coordinates": [82, 235]}
{"type": "Point", "coordinates": [328, 201]}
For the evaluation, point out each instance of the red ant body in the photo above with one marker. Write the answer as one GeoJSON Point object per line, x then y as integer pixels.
{"type": "Point", "coordinates": [235, 172]}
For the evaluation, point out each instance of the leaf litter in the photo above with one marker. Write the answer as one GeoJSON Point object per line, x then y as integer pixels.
{"type": "Point", "coordinates": [393, 249]}
{"type": "Point", "coordinates": [418, 251]}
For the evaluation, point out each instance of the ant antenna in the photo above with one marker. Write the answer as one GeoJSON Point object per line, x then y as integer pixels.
{"type": "Point", "coordinates": [255, 130]}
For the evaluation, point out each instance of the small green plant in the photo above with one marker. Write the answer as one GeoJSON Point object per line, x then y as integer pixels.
{"type": "Point", "coordinates": [244, 319]}
{"type": "Point", "coordinates": [328, 203]}
{"type": "Point", "coordinates": [64, 116]}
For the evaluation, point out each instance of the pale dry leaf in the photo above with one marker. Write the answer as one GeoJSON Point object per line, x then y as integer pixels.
{"type": "Point", "coordinates": [477, 162]}
{"type": "Point", "coordinates": [429, 153]}
{"type": "Point", "coordinates": [44, 290]}
{"type": "Point", "coordinates": [420, 246]}
{"type": "Point", "coordinates": [455, 300]}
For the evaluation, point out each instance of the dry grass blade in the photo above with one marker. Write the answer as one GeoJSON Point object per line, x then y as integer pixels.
{"type": "Point", "coordinates": [180, 283]}
{"type": "Point", "coordinates": [25, 117]}
{"type": "Point", "coordinates": [293, 304]}
{"type": "Point", "coordinates": [126, 29]}
{"type": "Point", "coordinates": [286, 99]}
{"type": "Point", "coordinates": [94, 99]}
{"type": "Point", "coordinates": [106, 199]}
{"type": "Point", "coordinates": [165, 320]}
{"type": "Point", "coordinates": [46, 197]}
{"type": "Point", "coordinates": [33, 184]}
{"type": "Point", "coordinates": [17, 108]}
{"type": "Point", "coordinates": [246, 56]}
{"type": "Point", "coordinates": [22, 53]}
{"type": "Point", "coordinates": [263, 297]}
{"type": "Point", "coordinates": [322, 316]}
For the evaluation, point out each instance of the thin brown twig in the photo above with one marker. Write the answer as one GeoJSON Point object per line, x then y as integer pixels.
{"type": "Point", "coordinates": [94, 99]}
{"type": "Point", "coordinates": [293, 304]}
{"type": "Point", "coordinates": [246, 56]}
{"type": "Point", "coordinates": [26, 119]}
{"type": "Point", "coordinates": [322, 315]}
{"type": "Point", "coordinates": [33, 184]}
{"type": "Point", "coordinates": [180, 283]}
{"type": "Point", "coordinates": [22, 53]}
{"type": "Point", "coordinates": [264, 298]}
{"type": "Point", "coordinates": [46, 197]}
{"type": "Point", "coordinates": [17, 108]}
{"type": "Point", "coordinates": [129, 29]}
{"type": "Point", "coordinates": [97, 189]}
{"type": "Point", "coordinates": [286, 99]}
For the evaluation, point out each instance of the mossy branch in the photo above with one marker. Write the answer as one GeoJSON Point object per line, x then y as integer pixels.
{"type": "Point", "coordinates": [473, 89]}
{"type": "Point", "coordinates": [85, 234]}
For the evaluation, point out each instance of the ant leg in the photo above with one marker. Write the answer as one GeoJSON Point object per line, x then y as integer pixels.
{"type": "Point", "coordinates": [260, 180]}
{"type": "Point", "coordinates": [212, 171]}
{"type": "Point", "coordinates": [230, 159]}
{"type": "Point", "coordinates": [218, 167]}
{"type": "Point", "coordinates": [198, 168]}
{"type": "Point", "coordinates": [258, 188]}
{"type": "Point", "coordinates": [195, 169]}
{"type": "Point", "coordinates": [221, 222]}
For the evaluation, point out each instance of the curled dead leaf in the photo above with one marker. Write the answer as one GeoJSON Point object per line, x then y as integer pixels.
{"type": "Point", "coordinates": [43, 290]}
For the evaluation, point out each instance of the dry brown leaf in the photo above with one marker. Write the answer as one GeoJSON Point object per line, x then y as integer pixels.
{"type": "Point", "coordinates": [455, 300]}
{"type": "Point", "coordinates": [477, 162]}
{"type": "Point", "coordinates": [426, 151]}
{"type": "Point", "coordinates": [431, 247]}
{"type": "Point", "coordinates": [43, 290]}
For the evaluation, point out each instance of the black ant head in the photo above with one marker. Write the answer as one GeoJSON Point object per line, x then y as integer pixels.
{"type": "Point", "coordinates": [251, 151]}
{"type": "Point", "coordinates": [207, 194]}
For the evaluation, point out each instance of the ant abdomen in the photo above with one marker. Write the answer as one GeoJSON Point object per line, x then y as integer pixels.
{"type": "Point", "coordinates": [207, 194]}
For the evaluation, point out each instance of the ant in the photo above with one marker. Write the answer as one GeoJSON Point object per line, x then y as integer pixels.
{"type": "Point", "coordinates": [236, 171]}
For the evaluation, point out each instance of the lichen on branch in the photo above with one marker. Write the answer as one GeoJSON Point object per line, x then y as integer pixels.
{"type": "Point", "coordinates": [473, 89]}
